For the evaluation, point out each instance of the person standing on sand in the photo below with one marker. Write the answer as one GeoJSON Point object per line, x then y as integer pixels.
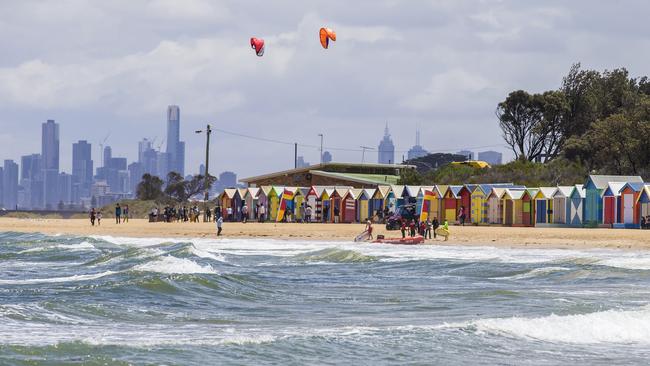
{"type": "Point", "coordinates": [262, 212]}
{"type": "Point", "coordinates": [244, 214]}
{"type": "Point", "coordinates": [118, 213]}
{"type": "Point", "coordinates": [326, 213]}
{"type": "Point", "coordinates": [125, 213]}
{"type": "Point", "coordinates": [92, 216]}
{"type": "Point", "coordinates": [369, 230]}
{"type": "Point", "coordinates": [461, 215]}
{"type": "Point", "coordinates": [427, 233]}
{"type": "Point", "coordinates": [307, 214]}
{"type": "Point", "coordinates": [412, 227]}
{"type": "Point", "coordinates": [435, 225]}
{"type": "Point", "coordinates": [99, 218]}
{"type": "Point", "coordinates": [403, 229]}
{"type": "Point", "coordinates": [229, 211]}
{"type": "Point", "coordinates": [337, 212]}
{"type": "Point", "coordinates": [219, 225]}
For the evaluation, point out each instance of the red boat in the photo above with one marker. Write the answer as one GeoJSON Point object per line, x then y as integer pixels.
{"type": "Point", "coordinates": [400, 241]}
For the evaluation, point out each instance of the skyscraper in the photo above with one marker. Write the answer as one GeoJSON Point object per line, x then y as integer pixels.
{"type": "Point", "coordinates": [10, 184]}
{"type": "Point", "coordinates": [144, 146]}
{"type": "Point", "coordinates": [50, 163]}
{"type": "Point", "coordinates": [31, 180]}
{"type": "Point", "coordinates": [386, 149]}
{"type": "Point", "coordinates": [417, 151]}
{"type": "Point", "coordinates": [82, 170]}
{"type": "Point", "coordinates": [175, 147]}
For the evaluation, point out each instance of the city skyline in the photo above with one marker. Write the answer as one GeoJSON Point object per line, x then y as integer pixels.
{"type": "Point", "coordinates": [118, 78]}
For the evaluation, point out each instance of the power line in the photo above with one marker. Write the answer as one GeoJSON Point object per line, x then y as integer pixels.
{"type": "Point", "coordinates": [330, 148]}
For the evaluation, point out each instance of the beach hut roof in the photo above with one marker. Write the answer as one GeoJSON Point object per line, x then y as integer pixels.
{"type": "Point", "coordinates": [398, 191]}
{"type": "Point", "coordinates": [601, 181]}
{"type": "Point", "coordinates": [329, 191]}
{"type": "Point", "coordinates": [412, 191]}
{"type": "Point", "coordinates": [563, 191]}
{"type": "Point", "coordinates": [545, 193]}
{"type": "Point", "coordinates": [636, 187]}
{"type": "Point", "coordinates": [427, 188]}
{"type": "Point", "coordinates": [242, 192]}
{"type": "Point", "coordinates": [355, 193]}
{"type": "Point", "coordinates": [266, 190]}
{"type": "Point", "coordinates": [369, 192]}
{"type": "Point", "coordinates": [579, 189]}
{"type": "Point", "coordinates": [342, 191]}
{"type": "Point", "coordinates": [470, 187]}
{"type": "Point", "coordinates": [532, 191]}
{"type": "Point", "coordinates": [441, 188]}
{"type": "Point", "coordinates": [230, 192]}
{"type": "Point", "coordinates": [278, 190]}
{"type": "Point", "coordinates": [613, 189]}
{"type": "Point", "coordinates": [514, 194]}
{"type": "Point", "coordinates": [382, 191]}
{"type": "Point", "coordinates": [454, 191]}
{"type": "Point", "coordinates": [497, 192]}
{"type": "Point", "coordinates": [254, 192]}
{"type": "Point", "coordinates": [645, 194]}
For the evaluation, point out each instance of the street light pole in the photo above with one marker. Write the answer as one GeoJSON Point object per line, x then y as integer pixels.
{"type": "Point", "coordinates": [321, 147]}
{"type": "Point", "coordinates": [208, 131]}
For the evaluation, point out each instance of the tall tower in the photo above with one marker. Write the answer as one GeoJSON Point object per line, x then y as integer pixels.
{"type": "Point", "coordinates": [417, 151]}
{"type": "Point", "coordinates": [175, 148]}
{"type": "Point", "coordinates": [386, 149]}
{"type": "Point", "coordinates": [50, 163]}
{"type": "Point", "coordinates": [82, 169]}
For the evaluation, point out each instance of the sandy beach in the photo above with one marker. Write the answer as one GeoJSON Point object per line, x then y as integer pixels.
{"type": "Point", "coordinates": [468, 235]}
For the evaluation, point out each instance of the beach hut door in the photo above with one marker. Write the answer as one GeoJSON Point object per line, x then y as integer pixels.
{"type": "Point", "coordinates": [628, 212]}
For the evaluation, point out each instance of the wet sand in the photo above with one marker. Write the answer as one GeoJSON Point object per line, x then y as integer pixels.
{"type": "Point", "coordinates": [468, 235]}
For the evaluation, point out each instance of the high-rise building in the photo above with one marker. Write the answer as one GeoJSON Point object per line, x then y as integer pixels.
{"type": "Point", "coordinates": [417, 151]}
{"type": "Point", "coordinates": [31, 180]}
{"type": "Point", "coordinates": [175, 147]}
{"type": "Point", "coordinates": [467, 154]}
{"type": "Point", "coordinates": [136, 171]}
{"type": "Point", "coordinates": [144, 146]}
{"type": "Point", "coordinates": [228, 179]}
{"type": "Point", "coordinates": [82, 170]}
{"type": "Point", "coordinates": [1, 186]}
{"type": "Point", "coordinates": [327, 157]}
{"type": "Point", "coordinates": [386, 149]}
{"type": "Point", "coordinates": [491, 157]}
{"type": "Point", "coordinates": [65, 190]}
{"type": "Point", "coordinates": [115, 175]}
{"type": "Point", "coordinates": [301, 163]}
{"type": "Point", "coordinates": [108, 154]}
{"type": "Point", "coordinates": [10, 184]}
{"type": "Point", "coordinates": [50, 163]}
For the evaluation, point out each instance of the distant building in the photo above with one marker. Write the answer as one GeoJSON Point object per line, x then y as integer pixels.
{"type": "Point", "coordinates": [65, 188]}
{"type": "Point", "coordinates": [202, 169]}
{"type": "Point", "coordinates": [327, 157]}
{"type": "Point", "coordinates": [1, 186]}
{"type": "Point", "coordinates": [136, 171]}
{"type": "Point", "coordinates": [467, 154]}
{"type": "Point", "coordinates": [228, 179]}
{"type": "Point", "coordinates": [50, 163]}
{"type": "Point", "coordinates": [31, 180]}
{"type": "Point", "coordinates": [417, 151]}
{"type": "Point", "coordinates": [108, 154]}
{"type": "Point", "coordinates": [175, 147]}
{"type": "Point", "coordinates": [386, 149]}
{"type": "Point", "coordinates": [144, 146]}
{"type": "Point", "coordinates": [301, 163]}
{"type": "Point", "coordinates": [82, 170]}
{"type": "Point", "coordinates": [10, 184]}
{"type": "Point", "coordinates": [491, 157]}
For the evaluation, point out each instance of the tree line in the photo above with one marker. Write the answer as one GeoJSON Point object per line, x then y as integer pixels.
{"type": "Point", "coordinates": [176, 187]}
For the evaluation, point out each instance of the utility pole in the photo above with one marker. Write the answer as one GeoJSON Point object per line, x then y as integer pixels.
{"type": "Point", "coordinates": [208, 131]}
{"type": "Point", "coordinates": [295, 155]}
{"type": "Point", "coordinates": [363, 152]}
{"type": "Point", "coordinates": [321, 147]}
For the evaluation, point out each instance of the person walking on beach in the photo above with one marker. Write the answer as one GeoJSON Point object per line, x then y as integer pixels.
{"type": "Point", "coordinates": [118, 213]}
{"type": "Point", "coordinates": [219, 225]}
{"type": "Point", "coordinates": [99, 218]}
{"type": "Point", "coordinates": [92, 216]}
{"type": "Point", "coordinates": [125, 213]}
{"type": "Point", "coordinates": [307, 214]}
{"type": "Point", "coordinates": [369, 230]}
{"type": "Point", "coordinates": [337, 212]}
{"type": "Point", "coordinates": [446, 227]}
{"type": "Point", "coordinates": [461, 215]}
{"type": "Point", "coordinates": [244, 214]}
{"type": "Point", "coordinates": [429, 226]}
{"type": "Point", "coordinates": [435, 225]}
{"type": "Point", "coordinates": [262, 212]}
{"type": "Point", "coordinates": [326, 213]}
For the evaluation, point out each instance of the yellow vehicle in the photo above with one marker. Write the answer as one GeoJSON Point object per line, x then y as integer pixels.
{"type": "Point", "coordinates": [473, 163]}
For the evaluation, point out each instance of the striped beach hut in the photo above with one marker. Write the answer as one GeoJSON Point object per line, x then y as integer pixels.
{"type": "Point", "coordinates": [544, 205]}
{"type": "Point", "coordinates": [263, 200]}
{"type": "Point", "coordinates": [252, 198]}
{"type": "Point", "coordinates": [451, 203]}
{"type": "Point", "coordinates": [562, 204]}
{"type": "Point", "coordinates": [577, 206]}
{"type": "Point", "coordinates": [377, 202]}
{"type": "Point", "coordinates": [349, 205]}
{"type": "Point", "coordinates": [612, 204]}
{"type": "Point", "coordinates": [327, 215]}
{"type": "Point", "coordinates": [630, 194]}
{"type": "Point", "coordinates": [517, 207]}
{"type": "Point", "coordinates": [465, 195]}
{"type": "Point", "coordinates": [275, 194]}
{"type": "Point", "coordinates": [495, 206]}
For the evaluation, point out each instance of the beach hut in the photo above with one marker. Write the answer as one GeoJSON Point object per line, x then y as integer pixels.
{"type": "Point", "coordinates": [544, 205]}
{"type": "Point", "coordinates": [643, 203]}
{"type": "Point", "coordinates": [495, 206]}
{"type": "Point", "coordinates": [398, 195]}
{"type": "Point", "coordinates": [275, 194]}
{"type": "Point", "coordinates": [479, 201]}
{"type": "Point", "coordinates": [227, 201]}
{"type": "Point", "coordinates": [451, 203]}
{"type": "Point", "coordinates": [630, 194]}
{"type": "Point", "coordinates": [364, 208]}
{"type": "Point", "coordinates": [263, 200]}
{"type": "Point", "coordinates": [252, 196]}
{"type": "Point", "coordinates": [576, 206]}
{"type": "Point", "coordinates": [313, 198]}
{"type": "Point", "coordinates": [411, 196]}
{"type": "Point", "coordinates": [240, 201]}
{"type": "Point", "coordinates": [336, 201]}
{"type": "Point", "coordinates": [349, 205]}
{"type": "Point", "coordinates": [465, 195]}
{"type": "Point", "coordinates": [594, 188]}
{"type": "Point", "coordinates": [378, 199]}
{"type": "Point", "coordinates": [326, 209]}
{"type": "Point", "coordinates": [612, 204]}
{"type": "Point", "coordinates": [517, 207]}
{"type": "Point", "coordinates": [562, 204]}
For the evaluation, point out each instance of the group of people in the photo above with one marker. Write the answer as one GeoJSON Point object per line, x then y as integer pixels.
{"type": "Point", "coordinates": [121, 215]}
{"type": "Point", "coordinates": [173, 214]}
{"type": "Point", "coordinates": [426, 228]}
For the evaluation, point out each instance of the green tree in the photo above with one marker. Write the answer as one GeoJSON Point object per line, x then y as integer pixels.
{"type": "Point", "coordinates": [181, 190]}
{"type": "Point", "coordinates": [150, 188]}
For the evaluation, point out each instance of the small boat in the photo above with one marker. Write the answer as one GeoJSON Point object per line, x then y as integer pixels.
{"type": "Point", "coordinates": [419, 239]}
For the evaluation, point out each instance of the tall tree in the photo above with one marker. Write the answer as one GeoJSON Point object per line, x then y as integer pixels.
{"type": "Point", "coordinates": [520, 117]}
{"type": "Point", "coordinates": [150, 188]}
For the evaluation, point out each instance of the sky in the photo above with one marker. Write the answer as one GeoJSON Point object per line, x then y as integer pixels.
{"type": "Point", "coordinates": [111, 68]}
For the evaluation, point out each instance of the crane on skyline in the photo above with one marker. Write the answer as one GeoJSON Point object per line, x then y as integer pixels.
{"type": "Point", "coordinates": [101, 147]}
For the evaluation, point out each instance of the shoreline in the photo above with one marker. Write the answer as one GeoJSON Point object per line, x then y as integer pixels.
{"type": "Point", "coordinates": [496, 236]}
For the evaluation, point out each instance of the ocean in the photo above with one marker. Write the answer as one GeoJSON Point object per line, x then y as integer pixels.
{"type": "Point", "coordinates": [165, 301]}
